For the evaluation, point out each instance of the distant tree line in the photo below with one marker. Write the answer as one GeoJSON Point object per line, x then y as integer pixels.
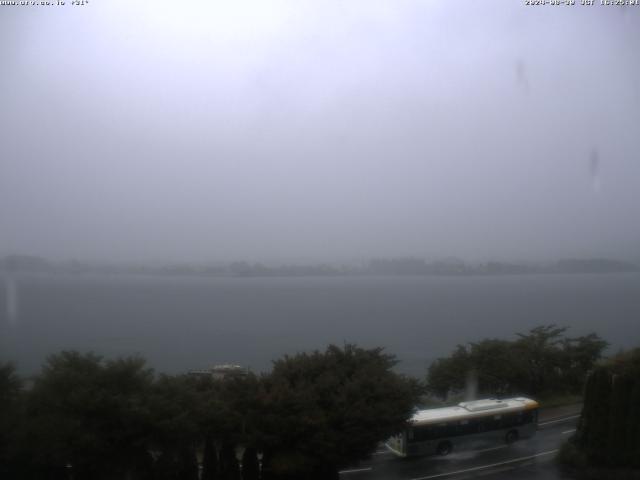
{"type": "Point", "coordinates": [456, 266]}
{"type": "Point", "coordinates": [381, 266]}
{"type": "Point", "coordinates": [84, 417]}
{"type": "Point", "coordinates": [540, 362]}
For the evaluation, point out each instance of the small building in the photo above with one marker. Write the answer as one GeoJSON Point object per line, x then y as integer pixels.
{"type": "Point", "coordinates": [220, 372]}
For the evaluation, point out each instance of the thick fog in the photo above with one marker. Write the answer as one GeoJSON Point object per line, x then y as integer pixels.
{"type": "Point", "coordinates": [286, 130]}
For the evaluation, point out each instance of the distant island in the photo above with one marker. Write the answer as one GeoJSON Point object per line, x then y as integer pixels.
{"type": "Point", "coordinates": [404, 266]}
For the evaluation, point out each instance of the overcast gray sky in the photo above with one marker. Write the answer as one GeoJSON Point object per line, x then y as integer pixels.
{"type": "Point", "coordinates": [328, 130]}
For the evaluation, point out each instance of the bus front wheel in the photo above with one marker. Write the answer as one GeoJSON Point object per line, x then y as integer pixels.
{"type": "Point", "coordinates": [511, 436]}
{"type": "Point", "coordinates": [444, 448]}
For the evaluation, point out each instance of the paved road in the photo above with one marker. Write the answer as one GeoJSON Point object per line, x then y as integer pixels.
{"type": "Point", "coordinates": [530, 459]}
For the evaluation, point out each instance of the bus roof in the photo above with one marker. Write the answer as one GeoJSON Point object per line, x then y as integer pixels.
{"type": "Point", "coordinates": [476, 408]}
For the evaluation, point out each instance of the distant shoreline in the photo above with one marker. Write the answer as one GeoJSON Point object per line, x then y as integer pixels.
{"type": "Point", "coordinates": [406, 267]}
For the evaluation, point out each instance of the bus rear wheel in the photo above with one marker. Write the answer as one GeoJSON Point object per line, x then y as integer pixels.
{"type": "Point", "coordinates": [511, 437]}
{"type": "Point", "coordinates": [444, 448]}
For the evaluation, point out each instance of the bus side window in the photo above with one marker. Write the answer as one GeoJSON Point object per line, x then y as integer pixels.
{"type": "Point", "coordinates": [507, 421]}
{"type": "Point", "coordinates": [474, 426]}
{"type": "Point", "coordinates": [420, 434]}
{"type": "Point", "coordinates": [441, 430]}
{"type": "Point", "coordinates": [512, 420]}
{"type": "Point", "coordinates": [465, 427]}
{"type": "Point", "coordinates": [490, 423]}
{"type": "Point", "coordinates": [429, 433]}
{"type": "Point", "coordinates": [493, 423]}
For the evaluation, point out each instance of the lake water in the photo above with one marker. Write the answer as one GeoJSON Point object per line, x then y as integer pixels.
{"type": "Point", "coordinates": [179, 323]}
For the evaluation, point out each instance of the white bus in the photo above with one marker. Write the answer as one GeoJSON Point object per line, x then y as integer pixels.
{"type": "Point", "coordinates": [468, 425]}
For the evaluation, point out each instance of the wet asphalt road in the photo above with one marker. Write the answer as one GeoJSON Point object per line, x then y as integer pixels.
{"type": "Point", "coordinates": [526, 459]}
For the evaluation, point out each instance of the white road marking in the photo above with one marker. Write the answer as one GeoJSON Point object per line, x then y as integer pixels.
{"type": "Point", "coordinates": [559, 420]}
{"type": "Point", "coordinates": [482, 467]}
{"type": "Point", "coordinates": [497, 470]}
{"type": "Point", "coordinates": [385, 452]}
{"type": "Point", "coordinates": [568, 431]}
{"type": "Point", "coordinates": [355, 470]}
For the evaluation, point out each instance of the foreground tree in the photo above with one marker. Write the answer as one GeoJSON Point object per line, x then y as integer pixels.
{"type": "Point", "coordinates": [174, 430]}
{"type": "Point", "coordinates": [209, 459]}
{"type": "Point", "coordinates": [250, 464]}
{"type": "Point", "coordinates": [327, 409]}
{"type": "Point", "coordinates": [608, 433]}
{"type": "Point", "coordinates": [448, 374]}
{"type": "Point", "coordinates": [11, 419]}
{"type": "Point", "coordinates": [226, 415]}
{"type": "Point", "coordinates": [579, 356]}
{"type": "Point", "coordinates": [541, 361]}
{"type": "Point", "coordinates": [90, 416]}
{"type": "Point", "coordinates": [542, 358]}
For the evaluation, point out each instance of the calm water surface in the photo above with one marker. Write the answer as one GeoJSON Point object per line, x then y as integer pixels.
{"type": "Point", "coordinates": [179, 323]}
